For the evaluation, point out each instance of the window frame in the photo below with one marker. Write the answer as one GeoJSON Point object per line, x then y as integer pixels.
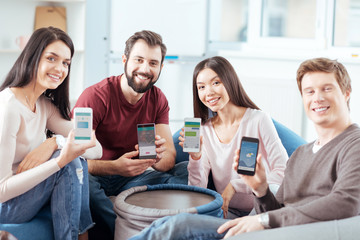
{"type": "Point", "coordinates": [344, 53]}
{"type": "Point", "coordinates": [256, 40]}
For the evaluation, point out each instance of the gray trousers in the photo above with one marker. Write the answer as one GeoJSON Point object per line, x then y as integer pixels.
{"type": "Point", "coordinates": [345, 229]}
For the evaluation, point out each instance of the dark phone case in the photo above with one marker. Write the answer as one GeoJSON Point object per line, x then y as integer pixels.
{"type": "Point", "coordinates": [147, 157]}
{"type": "Point", "coordinates": [248, 139]}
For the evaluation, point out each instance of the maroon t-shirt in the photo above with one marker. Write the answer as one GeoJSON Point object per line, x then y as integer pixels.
{"type": "Point", "coordinates": [115, 119]}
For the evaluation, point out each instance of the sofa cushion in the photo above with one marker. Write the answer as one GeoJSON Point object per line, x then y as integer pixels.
{"type": "Point", "coordinates": [40, 227]}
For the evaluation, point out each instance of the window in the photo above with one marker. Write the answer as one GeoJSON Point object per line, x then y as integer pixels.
{"type": "Point", "coordinates": [228, 23]}
{"type": "Point", "coordinates": [234, 20]}
{"type": "Point", "coordinates": [346, 23]}
{"type": "Point", "coordinates": [288, 18]}
{"type": "Point", "coordinates": [287, 24]}
{"type": "Point", "coordinates": [271, 25]}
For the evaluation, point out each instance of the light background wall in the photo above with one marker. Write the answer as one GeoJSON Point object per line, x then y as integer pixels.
{"type": "Point", "coordinates": [267, 73]}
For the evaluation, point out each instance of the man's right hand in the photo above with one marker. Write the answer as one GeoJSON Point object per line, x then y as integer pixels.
{"type": "Point", "coordinates": [128, 167]}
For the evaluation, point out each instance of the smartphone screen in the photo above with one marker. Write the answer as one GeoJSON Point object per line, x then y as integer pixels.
{"type": "Point", "coordinates": [248, 154]}
{"type": "Point", "coordinates": [146, 140]}
{"type": "Point", "coordinates": [83, 124]}
{"type": "Point", "coordinates": [192, 134]}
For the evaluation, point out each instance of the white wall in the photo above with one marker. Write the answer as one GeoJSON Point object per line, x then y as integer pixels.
{"type": "Point", "coordinates": [271, 84]}
{"type": "Point", "coordinates": [268, 76]}
{"type": "Point", "coordinates": [97, 41]}
{"type": "Point", "coordinates": [176, 83]}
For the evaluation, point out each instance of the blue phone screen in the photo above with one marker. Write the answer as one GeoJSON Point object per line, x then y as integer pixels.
{"type": "Point", "coordinates": [248, 154]}
{"type": "Point", "coordinates": [82, 124]}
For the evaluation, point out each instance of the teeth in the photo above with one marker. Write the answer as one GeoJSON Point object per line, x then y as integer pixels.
{"type": "Point", "coordinates": [142, 77]}
{"type": "Point", "coordinates": [320, 109]}
{"type": "Point", "coordinates": [54, 76]}
{"type": "Point", "coordinates": [212, 101]}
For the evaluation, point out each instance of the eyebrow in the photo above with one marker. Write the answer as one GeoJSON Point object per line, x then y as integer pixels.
{"type": "Point", "coordinates": [308, 88]}
{"type": "Point", "coordinates": [216, 76]}
{"type": "Point", "coordinates": [52, 53]}
{"type": "Point", "coordinates": [325, 85]}
{"type": "Point", "coordinates": [151, 60]}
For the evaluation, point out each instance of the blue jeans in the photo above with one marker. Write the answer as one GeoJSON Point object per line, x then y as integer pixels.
{"type": "Point", "coordinates": [183, 226]}
{"type": "Point", "coordinates": [188, 226]}
{"type": "Point", "coordinates": [103, 186]}
{"type": "Point", "coordinates": [68, 193]}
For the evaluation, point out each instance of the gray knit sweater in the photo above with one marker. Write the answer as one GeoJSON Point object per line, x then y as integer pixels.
{"type": "Point", "coordinates": [318, 186]}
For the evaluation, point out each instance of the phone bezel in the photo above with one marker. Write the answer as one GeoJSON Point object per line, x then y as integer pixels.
{"type": "Point", "coordinates": [248, 139]}
{"type": "Point", "coordinates": [137, 129]}
{"type": "Point", "coordinates": [192, 149]}
{"type": "Point", "coordinates": [83, 110]}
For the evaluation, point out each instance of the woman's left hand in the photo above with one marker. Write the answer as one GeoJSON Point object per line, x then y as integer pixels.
{"type": "Point", "coordinates": [38, 156]}
{"type": "Point", "coordinates": [227, 195]}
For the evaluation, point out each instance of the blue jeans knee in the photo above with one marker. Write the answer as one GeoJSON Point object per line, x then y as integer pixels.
{"type": "Point", "coordinates": [70, 201]}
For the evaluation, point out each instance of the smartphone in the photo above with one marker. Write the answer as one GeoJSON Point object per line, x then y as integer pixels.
{"type": "Point", "coordinates": [83, 119]}
{"type": "Point", "coordinates": [146, 140]}
{"type": "Point", "coordinates": [192, 134]}
{"type": "Point", "coordinates": [248, 154]}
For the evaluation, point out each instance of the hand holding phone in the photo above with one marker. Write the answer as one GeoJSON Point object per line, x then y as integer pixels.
{"type": "Point", "coordinates": [146, 140]}
{"type": "Point", "coordinates": [248, 154]}
{"type": "Point", "coordinates": [83, 119]}
{"type": "Point", "coordinates": [192, 135]}
{"type": "Point", "coordinates": [72, 151]}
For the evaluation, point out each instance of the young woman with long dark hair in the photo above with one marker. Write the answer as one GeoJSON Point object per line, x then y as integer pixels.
{"type": "Point", "coordinates": [34, 98]}
{"type": "Point", "coordinates": [216, 87]}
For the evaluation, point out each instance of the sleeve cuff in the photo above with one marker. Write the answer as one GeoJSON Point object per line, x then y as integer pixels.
{"type": "Point", "coordinates": [264, 220]}
{"type": "Point", "coordinates": [266, 197]}
{"type": "Point", "coordinates": [60, 141]}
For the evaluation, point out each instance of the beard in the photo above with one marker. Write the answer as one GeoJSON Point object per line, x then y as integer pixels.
{"type": "Point", "coordinates": [139, 88]}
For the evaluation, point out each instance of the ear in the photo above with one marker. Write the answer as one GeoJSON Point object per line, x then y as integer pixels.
{"type": "Point", "coordinates": [124, 59]}
{"type": "Point", "coordinates": [347, 95]}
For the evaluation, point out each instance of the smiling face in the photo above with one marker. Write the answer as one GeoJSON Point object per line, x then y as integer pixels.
{"type": "Point", "coordinates": [211, 91]}
{"type": "Point", "coordinates": [53, 65]}
{"type": "Point", "coordinates": [324, 102]}
{"type": "Point", "coordinates": [142, 68]}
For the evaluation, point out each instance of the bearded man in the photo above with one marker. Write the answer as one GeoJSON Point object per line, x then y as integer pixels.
{"type": "Point", "coordinates": [119, 103]}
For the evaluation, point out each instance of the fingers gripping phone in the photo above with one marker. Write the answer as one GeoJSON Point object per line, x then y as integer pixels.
{"type": "Point", "coordinates": [83, 119]}
{"type": "Point", "coordinates": [192, 134]}
{"type": "Point", "coordinates": [146, 140]}
{"type": "Point", "coordinates": [248, 154]}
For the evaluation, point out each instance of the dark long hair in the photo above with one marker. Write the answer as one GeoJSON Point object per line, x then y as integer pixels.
{"type": "Point", "coordinates": [26, 67]}
{"type": "Point", "coordinates": [229, 78]}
